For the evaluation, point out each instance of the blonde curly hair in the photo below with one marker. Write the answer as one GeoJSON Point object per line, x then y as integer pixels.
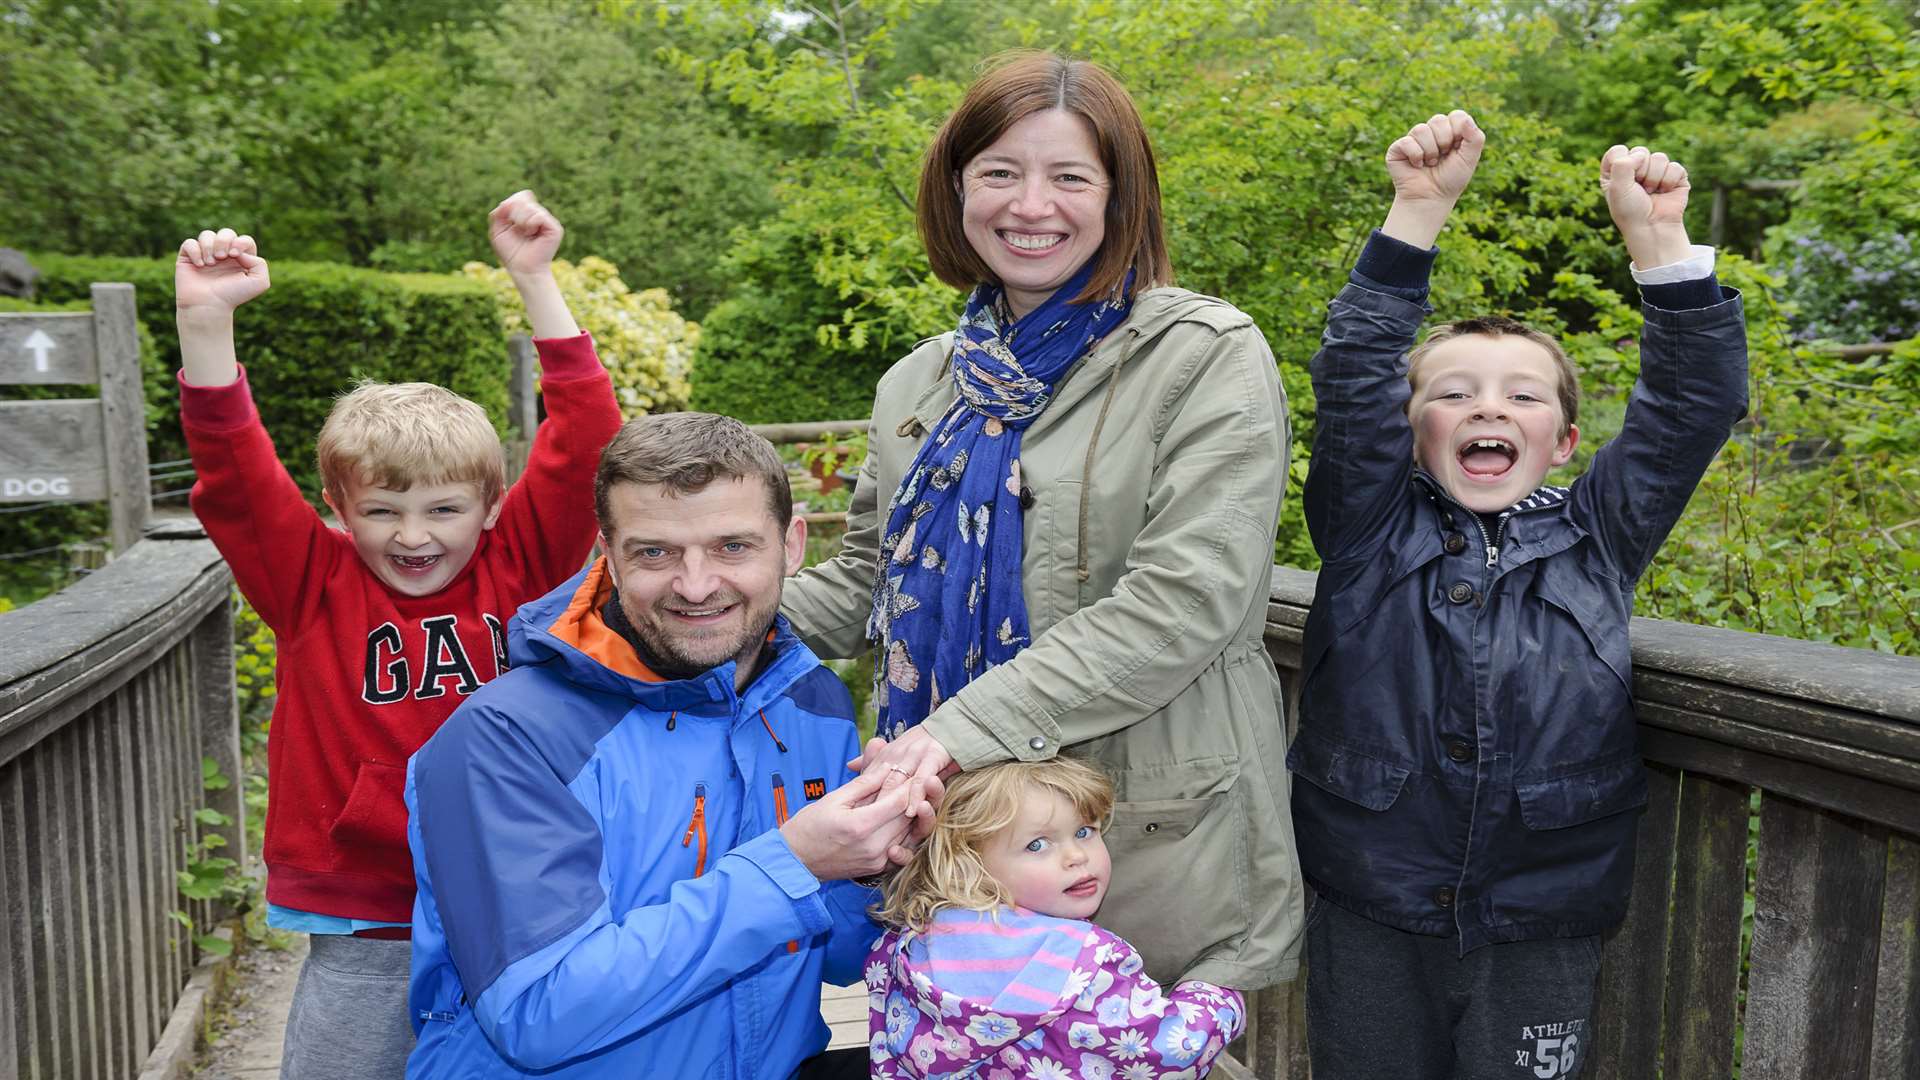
{"type": "Point", "coordinates": [947, 870]}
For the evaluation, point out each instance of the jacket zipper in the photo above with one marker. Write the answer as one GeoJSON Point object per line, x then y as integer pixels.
{"type": "Point", "coordinates": [764, 722]}
{"type": "Point", "coordinates": [780, 816]}
{"type": "Point", "coordinates": [1499, 534]}
{"type": "Point", "coordinates": [698, 827]}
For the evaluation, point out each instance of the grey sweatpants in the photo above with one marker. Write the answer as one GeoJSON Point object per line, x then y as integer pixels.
{"type": "Point", "coordinates": [1384, 1002]}
{"type": "Point", "coordinates": [349, 1016]}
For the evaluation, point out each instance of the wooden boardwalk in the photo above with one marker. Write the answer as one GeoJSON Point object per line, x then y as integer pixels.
{"type": "Point", "coordinates": [249, 1049]}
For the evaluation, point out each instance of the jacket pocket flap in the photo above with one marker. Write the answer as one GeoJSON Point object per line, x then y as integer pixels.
{"type": "Point", "coordinates": [1336, 770]}
{"type": "Point", "coordinates": [1584, 796]}
{"type": "Point", "coordinates": [1169, 817]}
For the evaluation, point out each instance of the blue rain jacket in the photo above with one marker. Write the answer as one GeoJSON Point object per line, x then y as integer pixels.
{"type": "Point", "coordinates": [1467, 739]}
{"type": "Point", "coordinates": [603, 891]}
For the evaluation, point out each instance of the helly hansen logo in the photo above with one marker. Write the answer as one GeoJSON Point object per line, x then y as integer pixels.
{"type": "Point", "coordinates": [815, 787]}
{"type": "Point", "coordinates": [445, 666]}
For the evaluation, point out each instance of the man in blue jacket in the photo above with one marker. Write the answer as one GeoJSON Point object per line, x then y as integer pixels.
{"type": "Point", "coordinates": [1468, 763]}
{"type": "Point", "coordinates": [634, 849]}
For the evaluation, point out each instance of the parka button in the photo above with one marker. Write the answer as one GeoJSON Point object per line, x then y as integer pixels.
{"type": "Point", "coordinates": [1460, 592]}
{"type": "Point", "coordinates": [1037, 743]}
{"type": "Point", "coordinates": [1443, 896]}
{"type": "Point", "coordinates": [1454, 543]}
{"type": "Point", "coordinates": [1459, 750]}
{"type": "Point", "coordinates": [1151, 826]}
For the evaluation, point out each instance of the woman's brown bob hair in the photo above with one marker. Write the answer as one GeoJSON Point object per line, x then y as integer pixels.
{"type": "Point", "coordinates": [1015, 86]}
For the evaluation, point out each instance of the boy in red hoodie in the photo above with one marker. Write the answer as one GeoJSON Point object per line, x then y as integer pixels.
{"type": "Point", "coordinates": [385, 627]}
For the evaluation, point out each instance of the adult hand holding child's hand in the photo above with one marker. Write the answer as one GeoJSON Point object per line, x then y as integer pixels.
{"type": "Point", "coordinates": [848, 832]}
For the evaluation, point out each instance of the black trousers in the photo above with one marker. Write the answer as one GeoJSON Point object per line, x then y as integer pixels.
{"type": "Point", "coordinates": [1384, 1002]}
{"type": "Point", "coordinates": [835, 1065]}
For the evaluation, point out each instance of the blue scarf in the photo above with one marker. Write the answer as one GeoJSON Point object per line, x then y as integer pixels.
{"type": "Point", "coordinates": [947, 603]}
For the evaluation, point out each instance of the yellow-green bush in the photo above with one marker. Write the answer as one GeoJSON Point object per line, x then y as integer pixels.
{"type": "Point", "coordinates": [646, 346]}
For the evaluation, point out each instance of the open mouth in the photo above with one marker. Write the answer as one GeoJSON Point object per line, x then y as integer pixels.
{"type": "Point", "coordinates": [415, 564]}
{"type": "Point", "coordinates": [1083, 888]}
{"type": "Point", "coordinates": [1032, 242]}
{"type": "Point", "coordinates": [1488, 458]}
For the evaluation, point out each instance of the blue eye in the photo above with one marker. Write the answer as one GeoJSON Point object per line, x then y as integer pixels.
{"type": "Point", "coordinates": [1037, 844]}
{"type": "Point", "coordinates": [1085, 832]}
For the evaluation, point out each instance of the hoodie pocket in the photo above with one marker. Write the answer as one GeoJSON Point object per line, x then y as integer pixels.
{"type": "Point", "coordinates": [1364, 781]}
{"type": "Point", "coordinates": [1584, 796]}
{"type": "Point", "coordinates": [374, 820]}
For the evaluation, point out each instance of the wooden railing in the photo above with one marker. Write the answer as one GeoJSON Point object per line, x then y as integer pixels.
{"type": "Point", "coordinates": [1813, 747]}
{"type": "Point", "coordinates": [112, 691]}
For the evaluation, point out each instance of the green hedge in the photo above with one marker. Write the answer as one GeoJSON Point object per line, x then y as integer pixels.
{"type": "Point", "coordinates": [317, 330]}
{"type": "Point", "coordinates": [307, 340]}
{"type": "Point", "coordinates": [748, 366]}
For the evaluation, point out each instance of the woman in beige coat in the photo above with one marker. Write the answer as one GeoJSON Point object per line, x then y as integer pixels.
{"type": "Point", "coordinates": [1072, 502]}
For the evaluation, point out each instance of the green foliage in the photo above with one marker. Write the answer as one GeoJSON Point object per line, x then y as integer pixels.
{"type": "Point", "coordinates": [209, 876]}
{"type": "Point", "coordinates": [646, 346]}
{"type": "Point", "coordinates": [1808, 525]}
{"type": "Point", "coordinates": [308, 339]}
{"type": "Point", "coordinates": [371, 133]}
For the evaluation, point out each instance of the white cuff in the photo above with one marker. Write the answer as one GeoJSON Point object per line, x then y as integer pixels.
{"type": "Point", "coordinates": [1697, 264]}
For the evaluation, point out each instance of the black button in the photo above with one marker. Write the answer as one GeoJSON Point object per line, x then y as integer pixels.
{"type": "Point", "coordinates": [1459, 750]}
{"type": "Point", "coordinates": [1460, 592]}
{"type": "Point", "coordinates": [1026, 497]}
{"type": "Point", "coordinates": [1443, 896]}
{"type": "Point", "coordinates": [1454, 543]}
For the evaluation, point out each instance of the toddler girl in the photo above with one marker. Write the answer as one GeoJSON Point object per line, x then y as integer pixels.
{"type": "Point", "coordinates": [991, 968]}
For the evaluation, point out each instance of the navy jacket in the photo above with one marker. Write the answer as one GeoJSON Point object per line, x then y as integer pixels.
{"type": "Point", "coordinates": [1467, 737]}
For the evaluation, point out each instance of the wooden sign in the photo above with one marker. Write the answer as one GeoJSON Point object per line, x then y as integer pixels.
{"type": "Point", "coordinates": [55, 347]}
{"type": "Point", "coordinates": [50, 451]}
{"type": "Point", "coordinates": [77, 450]}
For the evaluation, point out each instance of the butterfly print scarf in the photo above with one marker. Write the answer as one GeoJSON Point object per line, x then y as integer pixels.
{"type": "Point", "coordinates": [947, 603]}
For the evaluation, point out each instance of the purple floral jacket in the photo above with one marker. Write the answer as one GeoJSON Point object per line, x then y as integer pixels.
{"type": "Point", "coordinates": [1031, 996]}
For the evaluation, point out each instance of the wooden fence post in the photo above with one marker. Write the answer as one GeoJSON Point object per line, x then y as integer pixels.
{"type": "Point", "coordinates": [216, 711]}
{"type": "Point", "coordinates": [523, 412]}
{"type": "Point", "coordinates": [123, 405]}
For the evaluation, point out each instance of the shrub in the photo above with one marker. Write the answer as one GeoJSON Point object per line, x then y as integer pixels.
{"type": "Point", "coordinates": [645, 345]}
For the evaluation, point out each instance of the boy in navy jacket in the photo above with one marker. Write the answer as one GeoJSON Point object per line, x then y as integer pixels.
{"type": "Point", "coordinates": [1471, 772]}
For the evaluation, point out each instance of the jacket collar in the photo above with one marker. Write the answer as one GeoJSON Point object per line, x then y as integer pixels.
{"type": "Point", "coordinates": [1153, 312]}
{"type": "Point", "coordinates": [566, 631]}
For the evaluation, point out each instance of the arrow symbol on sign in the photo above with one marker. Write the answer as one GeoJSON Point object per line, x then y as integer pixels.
{"type": "Point", "coordinates": [39, 344]}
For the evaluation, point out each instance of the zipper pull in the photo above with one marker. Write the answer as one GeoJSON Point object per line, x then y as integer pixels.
{"type": "Point", "coordinates": [698, 827]}
{"type": "Point", "coordinates": [1493, 556]}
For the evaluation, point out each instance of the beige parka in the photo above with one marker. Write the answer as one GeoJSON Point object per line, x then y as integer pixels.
{"type": "Point", "coordinates": [1157, 474]}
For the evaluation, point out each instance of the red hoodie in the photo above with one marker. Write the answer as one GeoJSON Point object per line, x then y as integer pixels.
{"type": "Point", "coordinates": [365, 674]}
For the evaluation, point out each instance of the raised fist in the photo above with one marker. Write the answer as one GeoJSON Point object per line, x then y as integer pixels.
{"type": "Point", "coordinates": [525, 235]}
{"type": "Point", "coordinates": [1433, 161]}
{"type": "Point", "coordinates": [218, 271]}
{"type": "Point", "coordinates": [1644, 189]}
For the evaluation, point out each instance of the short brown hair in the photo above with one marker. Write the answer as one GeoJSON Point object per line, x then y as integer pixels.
{"type": "Point", "coordinates": [1015, 86]}
{"type": "Point", "coordinates": [684, 452]}
{"type": "Point", "coordinates": [947, 870]}
{"type": "Point", "coordinates": [1567, 383]}
{"type": "Point", "coordinates": [396, 435]}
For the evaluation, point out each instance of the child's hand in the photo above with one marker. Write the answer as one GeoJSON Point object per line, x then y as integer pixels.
{"type": "Point", "coordinates": [1433, 161]}
{"type": "Point", "coordinates": [1647, 195]}
{"type": "Point", "coordinates": [1430, 166]}
{"type": "Point", "coordinates": [525, 234]}
{"type": "Point", "coordinates": [217, 272]}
